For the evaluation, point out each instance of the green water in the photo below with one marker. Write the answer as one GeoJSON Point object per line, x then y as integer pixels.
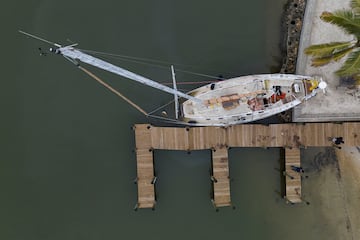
{"type": "Point", "coordinates": [67, 165]}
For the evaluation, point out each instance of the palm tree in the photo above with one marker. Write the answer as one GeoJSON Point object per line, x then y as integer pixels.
{"type": "Point", "coordinates": [349, 21]}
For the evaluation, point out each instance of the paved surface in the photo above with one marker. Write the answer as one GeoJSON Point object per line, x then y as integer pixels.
{"type": "Point", "coordinates": [340, 103]}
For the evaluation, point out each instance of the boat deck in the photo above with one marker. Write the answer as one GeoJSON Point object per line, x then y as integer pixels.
{"type": "Point", "coordinates": [246, 98]}
{"type": "Point", "coordinates": [292, 137]}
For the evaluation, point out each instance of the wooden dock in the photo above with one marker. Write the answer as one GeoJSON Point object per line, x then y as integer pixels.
{"type": "Point", "coordinates": [291, 136]}
{"type": "Point", "coordinates": [145, 169]}
{"type": "Point", "coordinates": [292, 178]}
{"type": "Point", "coordinates": [220, 177]}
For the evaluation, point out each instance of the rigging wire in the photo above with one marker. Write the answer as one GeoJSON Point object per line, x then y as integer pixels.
{"type": "Point", "coordinates": [126, 57]}
{"type": "Point", "coordinates": [151, 62]}
{"type": "Point", "coordinates": [169, 120]}
{"type": "Point", "coordinates": [39, 38]}
{"type": "Point", "coordinates": [161, 107]}
{"type": "Point", "coordinates": [165, 119]}
{"type": "Point", "coordinates": [188, 83]}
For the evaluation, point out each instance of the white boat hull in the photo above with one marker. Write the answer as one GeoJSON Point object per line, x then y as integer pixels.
{"type": "Point", "coordinates": [247, 99]}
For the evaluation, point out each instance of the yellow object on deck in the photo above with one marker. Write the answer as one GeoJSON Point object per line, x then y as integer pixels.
{"type": "Point", "coordinates": [314, 84]}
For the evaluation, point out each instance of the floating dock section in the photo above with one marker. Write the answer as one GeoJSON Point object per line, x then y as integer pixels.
{"type": "Point", "coordinates": [145, 168]}
{"type": "Point", "coordinates": [292, 178]}
{"type": "Point", "coordinates": [220, 177]}
{"type": "Point", "coordinates": [292, 137]}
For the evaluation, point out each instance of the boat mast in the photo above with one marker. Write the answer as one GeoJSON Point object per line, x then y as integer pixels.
{"type": "Point", "coordinates": [75, 54]}
{"type": "Point", "coordinates": [176, 100]}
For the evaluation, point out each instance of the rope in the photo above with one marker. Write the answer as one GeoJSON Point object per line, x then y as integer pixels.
{"type": "Point", "coordinates": [113, 90]}
{"type": "Point", "coordinates": [128, 100]}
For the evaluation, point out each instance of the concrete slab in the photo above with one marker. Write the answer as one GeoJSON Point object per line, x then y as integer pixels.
{"type": "Point", "coordinates": [339, 103]}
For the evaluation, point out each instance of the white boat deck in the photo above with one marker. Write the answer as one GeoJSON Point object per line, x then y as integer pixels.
{"type": "Point", "coordinates": [245, 99]}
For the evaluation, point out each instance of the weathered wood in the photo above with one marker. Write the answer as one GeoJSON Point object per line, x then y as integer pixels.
{"type": "Point", "coordinates": [292, 178]}
{"type": "Point", "coordinates": [248, 135]}
{"type": "Point", "coordinates": [221, 180]}
{"type": "Point", "coordinates": [291, 136]}
{"type": "Point", "coordinates": [145, 167]}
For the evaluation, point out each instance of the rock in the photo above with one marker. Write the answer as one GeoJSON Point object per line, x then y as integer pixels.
{"type": "Point", "coordinates": [292, 20]}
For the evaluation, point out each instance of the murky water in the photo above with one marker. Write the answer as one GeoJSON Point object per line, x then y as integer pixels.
{"type": "Point", "coordinates": [67, 165]}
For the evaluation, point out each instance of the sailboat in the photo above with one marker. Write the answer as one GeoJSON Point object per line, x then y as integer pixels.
{"type": "Point", "coordinates": [229, 102]}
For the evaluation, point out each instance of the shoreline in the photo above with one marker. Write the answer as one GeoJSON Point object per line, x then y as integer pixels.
{"type": "Point", "coordinates": [337, 185]}
{"type": "Point", "coordinates": [301, 27]}
{"type": "Point", "coordinates": [349, 163]}
{"type": "Point", "coordinates": [290, 35]}
{"type": "Point", "coordinates": [291, 27]}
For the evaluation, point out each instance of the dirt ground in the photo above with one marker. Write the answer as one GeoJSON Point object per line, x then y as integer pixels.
{"type": "Point", "coordinates": [333, 185]}
{"type": "Point", "coordinates": [349, 162]}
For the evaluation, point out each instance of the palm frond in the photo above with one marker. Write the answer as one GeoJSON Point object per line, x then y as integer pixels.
{"type": "Point", "coordinates": [345, 19]}
{"type": "Point", "coordinates": [355, 6]}
{"type": "Point", "coordinates": [351, 65]}
{"type": "Point", "coordinates": [318, 62]}
{"type": "Point", "coordinates": [327, 49]}
{"type": "Point", "coordinates": [321, 61]}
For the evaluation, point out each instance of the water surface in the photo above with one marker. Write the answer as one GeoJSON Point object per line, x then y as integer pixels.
{"type": "Point", "coordinates": [67, 164]}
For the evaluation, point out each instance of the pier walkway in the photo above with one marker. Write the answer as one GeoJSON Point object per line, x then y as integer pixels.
{"type": "Point", "coordinates": [220, 177]}
{"type": "Point", "coordinates": [145, 169]}
{"type": "Point", "coordinates": [292, 178]}
{"type": "Point", "coordinates": [291, 136]}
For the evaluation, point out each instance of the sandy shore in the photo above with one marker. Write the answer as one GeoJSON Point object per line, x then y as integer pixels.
{"type": "Point", "coordinates": [349, 163]}
{"type": "Point", "coordinates": [333, 187]}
